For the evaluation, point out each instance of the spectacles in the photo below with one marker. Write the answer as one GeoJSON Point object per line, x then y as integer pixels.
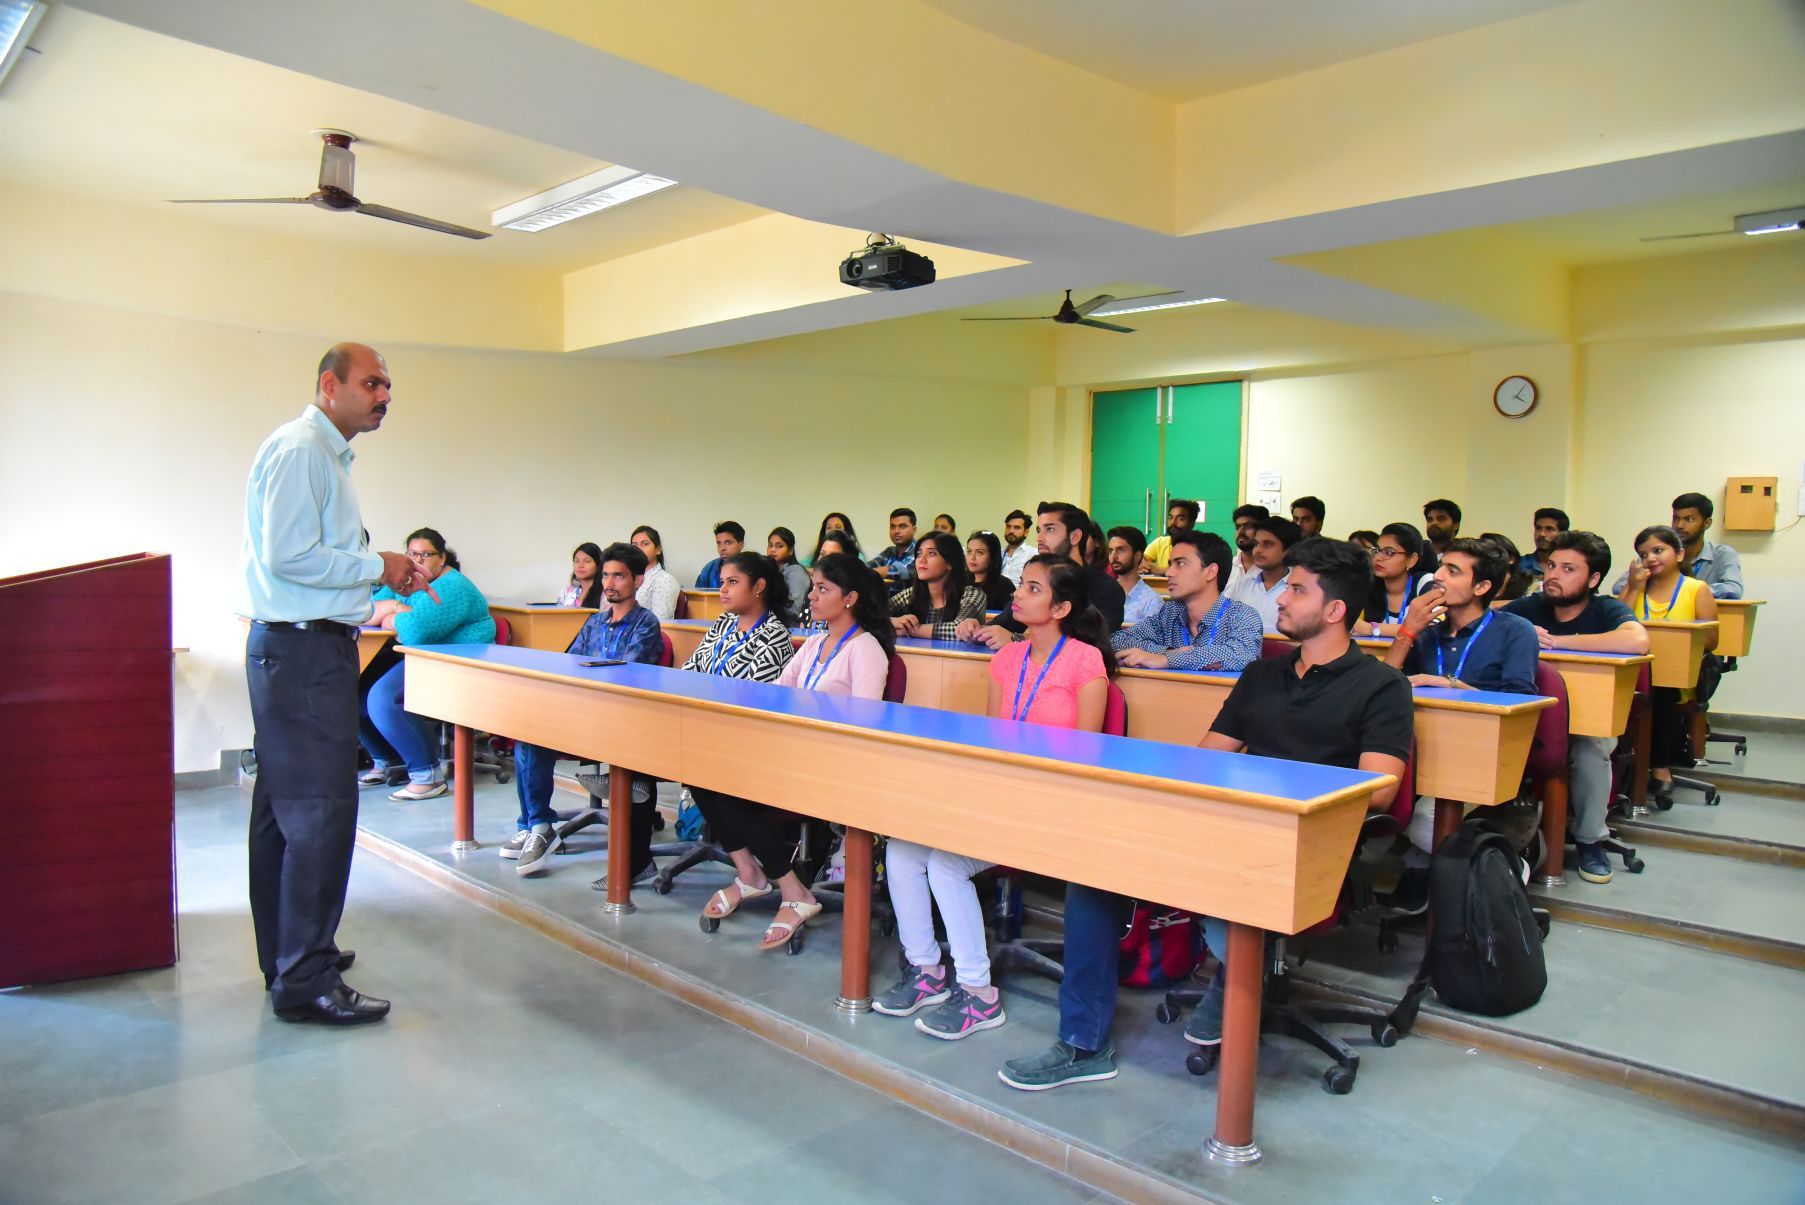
{"type": "Point", "coordinates": [423, 556]}
{"type": "Point", "coordinates": [1384, 551]}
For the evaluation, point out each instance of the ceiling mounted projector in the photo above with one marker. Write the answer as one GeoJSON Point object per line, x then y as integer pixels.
{"type": "Point", "coordinates": [886, 264]}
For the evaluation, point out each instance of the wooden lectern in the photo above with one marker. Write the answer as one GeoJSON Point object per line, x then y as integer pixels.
{"type": "Point", "coordinates": [87, 805]}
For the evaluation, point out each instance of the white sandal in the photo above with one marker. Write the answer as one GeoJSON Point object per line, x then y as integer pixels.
{"type": "Point", "coordinates": [805, 912]}
{"type": "Point", "coordinates": [747, 892]}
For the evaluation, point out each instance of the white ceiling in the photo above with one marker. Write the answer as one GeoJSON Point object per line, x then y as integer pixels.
{"type": "Point", "coordinates": [114, 112]}
{"type": "Point", "coordinates": [1184, 49]}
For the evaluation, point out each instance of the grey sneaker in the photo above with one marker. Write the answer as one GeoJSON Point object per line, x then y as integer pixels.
{"type": "Point", "coordinates": [916, 990]}
{"type": "Point", "coordinates": [511, 850]}
{"type": "Point", "coordinates": [962, 1016]}
{"type": "Point", "coordinates": [534, 850]}
{"type": "Point", "coordinates": [597, 785]}
{"type": "Point", "coordinates": [1205, 1026]}
{"type": "Point", "coordinates": [1058, 1066]}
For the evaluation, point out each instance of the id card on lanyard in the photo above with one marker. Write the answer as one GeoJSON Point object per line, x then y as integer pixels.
{"type": "Point", "coordinates": [721, 660]}
{"type": "Point", "coordinates": [1461, 665]}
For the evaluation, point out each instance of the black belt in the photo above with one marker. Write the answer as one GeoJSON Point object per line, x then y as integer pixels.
{"type": "Point", "coordinates": [330, 626]}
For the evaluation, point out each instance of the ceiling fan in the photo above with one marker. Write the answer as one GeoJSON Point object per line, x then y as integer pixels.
{"type": "Point", "coordinates": [338, 173]}
{"type": "Point", "coordinates": [1080, 315]}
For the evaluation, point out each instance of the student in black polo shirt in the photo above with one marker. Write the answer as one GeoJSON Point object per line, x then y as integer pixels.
{"type": "Point", "coordinates": [1569, 613]}
{"type": "Point", "coordinates": [1325, 702]}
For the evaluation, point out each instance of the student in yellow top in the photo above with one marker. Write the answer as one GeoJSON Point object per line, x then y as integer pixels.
{"type": "Point", "coordinates": [1656, 590]}
{"type": "Point", "coordinates": [1181, 515]}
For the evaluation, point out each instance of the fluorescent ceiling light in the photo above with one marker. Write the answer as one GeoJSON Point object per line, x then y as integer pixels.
{"type": "Point", "coordinates": [1774, 221]}
{"type": "Point", "coordinates": [1112, 311]}
{"type": "Point", "coordinates": [598, 190]}
{"type": "Point", "coordinates": [17, 19]}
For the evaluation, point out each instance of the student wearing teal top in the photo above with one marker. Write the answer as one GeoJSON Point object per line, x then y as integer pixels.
{"type": "Point", "coordinates": [390, 734]}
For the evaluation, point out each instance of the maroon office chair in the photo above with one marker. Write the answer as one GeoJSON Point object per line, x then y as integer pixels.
{"type": "Point", "coordinates": [1273, 646]}
{"type": "Point", "coordinates": [596, 814]}
{"type": "Point", "coordinates": [682, 611]}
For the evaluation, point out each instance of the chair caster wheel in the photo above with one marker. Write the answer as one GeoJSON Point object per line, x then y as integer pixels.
{"type": "Point", "coordinates": [793, 947]}
{"type": "Point", "coordinates": [1201, 1062]}
{"type": "Point", "coordinates": [662, 886]}
{"type": "Point", "coordinates": [1711, 797]}
{"type": "Point", "coordinates": [1661, 803]}
{"type": "Point", "coordinates": [1338, 1080]}
{"type": "Point", "coordinates": [658, 822]}
{"type": "Point", "coordinates": [1164, 1013]}
{"type": "Point", "coordinates": [1633, 864]}
{"type": "Point", "coordinates": [1742, 748]}
{"type": "Point", "coordinates": [503, 776]}
{"type": "Point", "coordinates": [1385, 1034]}
{"type": "Point", "coordinates": [886, 927]}
{"type": "Point", "coordinates": [709, 924]}
{"type": "Point", "coordinates": [1388, 942]}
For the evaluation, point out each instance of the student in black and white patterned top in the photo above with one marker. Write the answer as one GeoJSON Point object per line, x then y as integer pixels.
{"type": "Point", "coordinates": [942, 594]}
{"type": "Point", "coordinates": [750, 641]}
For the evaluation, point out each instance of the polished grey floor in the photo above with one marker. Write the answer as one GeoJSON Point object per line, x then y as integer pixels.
{"type": "Point", "coordinates": [1739, 815]}
{"type": "Point", "coordinates": [512, 1069]}
{"type": "Point", "coordinates": [1427, 1120]}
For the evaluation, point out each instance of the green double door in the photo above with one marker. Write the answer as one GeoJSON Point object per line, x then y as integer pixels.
{"type": "Point", "coordinates": [1170, 441]}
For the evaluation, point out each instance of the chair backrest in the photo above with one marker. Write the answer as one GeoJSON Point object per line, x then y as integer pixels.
{"type": "Point", "coordinates": [896, 683]}
{"type": "Point", "coordinates": [1548, 752]}
{"type": "Point", "coordinates": [1403, 804]}
{"type": "Point", "coordinates": [504, 634]}
{"type": "Point", "coordinates": [682, 611]}
{"type": "Point", "coordinates": [1273, 646]}
{"type": "Point", "coordinates": [1115, 712]}
{"type": "Point", "coordinates": [668, 657]}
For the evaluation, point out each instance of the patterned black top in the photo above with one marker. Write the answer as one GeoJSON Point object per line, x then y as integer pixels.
{"type": "Point", "coordinates": [755, 656]}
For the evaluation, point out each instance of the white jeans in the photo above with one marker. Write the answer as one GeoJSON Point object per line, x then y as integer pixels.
{"type": "Point", "coordinates": [915, 870]}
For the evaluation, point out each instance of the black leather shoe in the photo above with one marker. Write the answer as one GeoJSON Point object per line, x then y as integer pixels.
{"type": "Point", "coordinates": [345, 959]}
{"type": "Point", "coordinates": [340, 1006]}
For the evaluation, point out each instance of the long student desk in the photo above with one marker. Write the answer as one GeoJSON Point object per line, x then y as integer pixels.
{"type": "Point", "coordinates": [1264, 844]}
{"type": "Point", "coordinates": [703, 604]}
{"type": "Point", "coordinates": [541, 627]}
{"type": "Point", "coordinates": [1471, 746]}
{"type": "Point", "coordinates": [370, 641]}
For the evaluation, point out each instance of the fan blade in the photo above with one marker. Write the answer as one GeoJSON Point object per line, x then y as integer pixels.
{"type": "Point", "coordinates": [1085, 308]}
{"type": "Point", "coordinates": [241, 201]}
{"type": "Point", "coordinates": [1666, 238]}
{"type": "Point", "coordinates": [1023, 318]}
{"type": "Point", "coordinates": [1105, 326]}
{"type": "Point", "coordinates": [414, 219]}
{"type": "Point", "coordinates": [1147, 296]}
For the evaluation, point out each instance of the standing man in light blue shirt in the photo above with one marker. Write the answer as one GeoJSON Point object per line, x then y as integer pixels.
{"type": "Point", "coordinates": [309, 573]}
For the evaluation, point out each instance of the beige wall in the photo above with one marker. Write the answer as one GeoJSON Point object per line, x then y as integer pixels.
{"type": "Point", "coordinates": [130, 431]}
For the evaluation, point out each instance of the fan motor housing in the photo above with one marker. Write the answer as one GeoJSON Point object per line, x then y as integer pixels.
{"type": "Point", "coordinates": [891, 266]}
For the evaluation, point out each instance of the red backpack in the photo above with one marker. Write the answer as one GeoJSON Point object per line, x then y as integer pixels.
{"type": "Point", "coordinates": [1159, 949]}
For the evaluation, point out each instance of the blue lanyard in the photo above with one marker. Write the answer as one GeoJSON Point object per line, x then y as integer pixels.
{"type": "Point", "coordinates": [1017, 711]}
{"type": "Point", "coordinates": [820, 667]}
{"type": "Point", "coordinates": [1461, 665]}
{"type": "Point", "coordinates": [1215, 620]}
{"type": "Point", "coordinates": [1409, 593]}
{"type": "Point", "coordinates": [1671, 603]}
{"type": "Point", "coordinates": [721, 660]}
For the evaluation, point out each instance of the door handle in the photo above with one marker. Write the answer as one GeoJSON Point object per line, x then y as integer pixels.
{"type": "Point", "coordinates": [1147, 514]}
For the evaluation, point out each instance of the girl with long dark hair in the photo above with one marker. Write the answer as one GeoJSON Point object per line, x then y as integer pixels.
{"type": "Point", "coordinates": [780, 546]}
{"type": "Point", "coordinates": [834, 521]}
{"type": "Point", "coordinates": [1403, 565]}
{"type": "Point", "coordinates": [585, 586]}
{"type": "Point", "coordinates": [941, 595]}
{"type": "Point", "coordinates": [659, 588]}
{"type": "Point", "coordinates": [984, 561]}
{"type": "Point", "coordinates": [1058, 676]}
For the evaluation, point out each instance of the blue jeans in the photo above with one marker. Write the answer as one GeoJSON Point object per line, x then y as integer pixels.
{"type": "Point", "coordinates": [1095, 923]}
{"type": "Point", "coordinates": [533, 783]}
{"type": "Point", "coordinates": [392, 735]}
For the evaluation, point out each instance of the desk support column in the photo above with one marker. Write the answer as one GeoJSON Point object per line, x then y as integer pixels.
{"type": "Point", "coordinates": [1233, 1141]}
{"type": "Point", "coordinates": [1554, 830]}
{"type": "Point", "coordinates": [620, 841]}
{"type": "Point", "coordinates": [1448, 815]}
{"type": "Point", "coordinates": [1645, 735]}
{"type": "Point", "coordinates": [463, 791]}
{"type": "Point", "coordinates": [855, 944]}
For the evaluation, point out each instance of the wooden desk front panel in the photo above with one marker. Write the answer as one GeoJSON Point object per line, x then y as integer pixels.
{"type": "Point", "coordinates": [1599, 694]}
{"type": "Point", "coordinates": [704, 604]}
{"type": "Point", "coordinates": [1472, 756]}
{"type": "Point", "coordinates": [548, 628]}
{"type": "Point", "coordinates": [641, 731]}
{"type": "Point", "coordinates": [369, 643]}
{"type": "Point", "coordinates": [1678, 650]}
{"type": "Point", "coordinates": [1273, 869]}
{"type": "Point", "coordinates": [1736, 626]}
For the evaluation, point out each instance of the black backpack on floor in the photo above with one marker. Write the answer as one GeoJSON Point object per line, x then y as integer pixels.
{"type": "Point", "coordinates": [1484, 953]}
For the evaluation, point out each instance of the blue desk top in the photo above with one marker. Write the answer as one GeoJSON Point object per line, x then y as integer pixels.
{"type": "Point", "coordinates": [1209, 771]}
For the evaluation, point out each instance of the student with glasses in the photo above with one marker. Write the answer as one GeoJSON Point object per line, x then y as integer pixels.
{"type": "Point", "coordinates": [392, 735]}
{"type": "Point", "coordinates": [1403, 566]}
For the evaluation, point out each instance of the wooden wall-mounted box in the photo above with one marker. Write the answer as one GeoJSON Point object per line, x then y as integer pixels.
{"type": "Point", "coordinates": [1750, 503]}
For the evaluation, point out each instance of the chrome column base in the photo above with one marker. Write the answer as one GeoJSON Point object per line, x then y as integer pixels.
{"type": "Point", "coordinates": [613, 909]}
{"type": "Point", "coordinates": [464, 847]}
{"type": "Point", "coordinates": [1233, 1156]}
{"type": "Point", "coordinates": [861, 1005]}
{"type": "Point", "coordinates": [1549, 880]}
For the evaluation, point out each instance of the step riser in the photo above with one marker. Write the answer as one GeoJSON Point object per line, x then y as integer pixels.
{"type": "Point", "coordinates": [1721, 847]}
{"type": "Point", "coordinates": [1741, 945]}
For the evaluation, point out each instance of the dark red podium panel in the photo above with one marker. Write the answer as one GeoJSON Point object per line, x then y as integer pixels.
{"type": "Point", "coordinates": [87, 796]}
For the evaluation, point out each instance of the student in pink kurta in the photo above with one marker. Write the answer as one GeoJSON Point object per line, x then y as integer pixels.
{"type": "Point", "coordinates": [852, 657]}
{"type": "Point", "coordinates": [1058, 676]}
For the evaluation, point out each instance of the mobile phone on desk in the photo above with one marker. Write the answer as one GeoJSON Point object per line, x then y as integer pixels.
{"type": "Point", "coordinates": [601, 663]}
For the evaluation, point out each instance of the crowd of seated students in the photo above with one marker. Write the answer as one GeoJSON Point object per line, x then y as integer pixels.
{"type": "Point", "coordinates": [1071, 613]}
